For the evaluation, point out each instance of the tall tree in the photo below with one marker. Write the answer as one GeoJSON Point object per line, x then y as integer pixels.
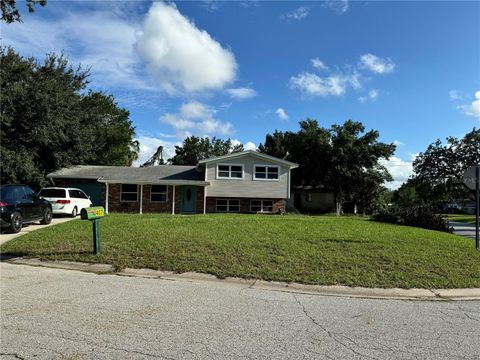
{"type": "Point", "coordinates": [10, 12]}
{"type": "Point", "coordinates": [441, 166]}
{"type": "Point", "coordinates": [48, 121]}
{"type": "Point", "coordinates": [343, 159]}
{"type": "Point", "coordinates": [155, 159]}
{"type": "Point", "coordinates": [196, 148]}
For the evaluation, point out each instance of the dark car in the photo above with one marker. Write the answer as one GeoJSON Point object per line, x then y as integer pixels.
{"type": "Point", "coordinates": [19, 205]}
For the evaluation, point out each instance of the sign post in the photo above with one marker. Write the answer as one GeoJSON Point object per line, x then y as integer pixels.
{"type": "Point", "coordinates": [471, 178]}
{"type": "Point", "coordinates": [94, 214]}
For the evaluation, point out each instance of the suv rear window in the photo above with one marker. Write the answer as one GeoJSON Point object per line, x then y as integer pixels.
{"type": "Point", "coordinates": [11, 193]}
{"type": "Point", "coordinates": [52, 193]}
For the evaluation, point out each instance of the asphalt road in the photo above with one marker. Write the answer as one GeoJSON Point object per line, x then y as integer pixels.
{"type": "Point", "coordinates": [61, 314]}
{"type": "Point", "coordinates": [463, 229]}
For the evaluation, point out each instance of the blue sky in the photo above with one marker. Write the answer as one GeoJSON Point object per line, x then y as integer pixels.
{"type": "Point", "coordinates": [410, 70]}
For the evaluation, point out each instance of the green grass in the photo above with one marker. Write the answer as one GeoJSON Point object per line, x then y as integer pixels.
{"type": "Point", "coordinates": [461, 218]}
{"type": "Point", "coordinates": [308, 249]}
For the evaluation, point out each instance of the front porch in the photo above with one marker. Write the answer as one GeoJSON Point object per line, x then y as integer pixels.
{"type": "Point", "coordinates": [155, 198]}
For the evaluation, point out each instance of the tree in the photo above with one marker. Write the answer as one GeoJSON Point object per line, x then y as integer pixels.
{"type": "Point", "coordinates": [155, 159]}
{"type": "Point", "coordinates": [49, 120]}
{"type": "Point", "coordinates": [196, 148]}
{"type": "Point", "coordinates": [343, 159]}
{"type": "Point", "coordinates": [441, 166]}
{"type": "Point", "coordinates": [10, 12]}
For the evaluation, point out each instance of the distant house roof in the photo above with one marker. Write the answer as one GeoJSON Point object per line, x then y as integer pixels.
{"type": "Point", "coordinates": [257, 154]}
{"type": "Point", "coordinates": [162, 174]}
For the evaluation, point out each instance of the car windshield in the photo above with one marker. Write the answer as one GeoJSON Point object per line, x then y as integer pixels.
{"type": "Point", "coordinates": [52, 193]}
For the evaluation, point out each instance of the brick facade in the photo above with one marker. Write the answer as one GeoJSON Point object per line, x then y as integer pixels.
{"type": "Point", "coordinates": [116, 205]}
{"type": "Point", "coordinates": [278, 204]}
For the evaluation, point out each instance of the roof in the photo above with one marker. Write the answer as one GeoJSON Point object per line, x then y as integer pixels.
{"type": "Point", "coordinates": [162, 174]}
{"type": "Point", "coordinates": [254, 153]}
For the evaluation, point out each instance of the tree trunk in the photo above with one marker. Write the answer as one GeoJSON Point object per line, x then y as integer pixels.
{"type": "Point", "coordinates": [355, 209]}
{"type": "Point", "coordinates": [338, 207]}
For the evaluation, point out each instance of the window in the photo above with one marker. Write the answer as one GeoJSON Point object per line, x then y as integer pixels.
{"type": "Point", "coordinates": [158, 193]}
{"type": "Point", "coordinates": [228, 205]}
{"type": "Point", "coordinates": [266, 172]}
{"type": "Point", "coordinates": [77, 194]}
{"type": "Point", "coordinates": [230, 171]}
{"type": "Point", "coordinates": [261, 205]}
{"type": "Point", "coordinates": [52, 193]}
{"type": "Point", "coordinates": [129, 193]}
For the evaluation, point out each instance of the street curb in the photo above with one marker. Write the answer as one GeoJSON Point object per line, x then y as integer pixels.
{"type": "Point", "coordinates": [323, 290]}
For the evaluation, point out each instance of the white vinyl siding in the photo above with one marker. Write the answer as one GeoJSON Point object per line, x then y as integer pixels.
{"type": "Point", "coordinates": [266, 172]}
{"type": "Point", "coordinates": [261, 205]}
{"type": "Point", "coordinates": [228, 205]}
{"type": "Point", "coordinates": [230, 171]}
{"type": "Point", "coordinates": [128, 193]}
{"type": "Point", "coordinates": [247, 187]}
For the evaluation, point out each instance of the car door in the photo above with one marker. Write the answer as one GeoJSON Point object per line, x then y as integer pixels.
{"type": "Point", "coordinates": [33, 203]}
{"type": "Point", "coordinates": [84, 199]}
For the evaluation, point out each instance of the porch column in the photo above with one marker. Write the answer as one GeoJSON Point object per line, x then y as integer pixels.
{"type": "Point", "coordinates": [204, 200]}
{"type": "Point", "coordinates": [173, 201]}
{"type": "Point", "coordinates": [141, 198]}
{"type": "Point", "coordinates": [106, 198]}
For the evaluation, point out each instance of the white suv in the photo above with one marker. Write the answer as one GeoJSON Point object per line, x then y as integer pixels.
{"type": "Point", "coordinates": [68, 201]}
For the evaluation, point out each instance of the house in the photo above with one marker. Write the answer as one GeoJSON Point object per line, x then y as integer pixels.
{"type": "Point", "coordinates": [247, 182]}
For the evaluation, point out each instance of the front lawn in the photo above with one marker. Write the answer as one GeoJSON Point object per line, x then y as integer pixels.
{"type": "Point", "coordinates": [470, 219]}
{"type": "Point", "coordinates": [308, 249]}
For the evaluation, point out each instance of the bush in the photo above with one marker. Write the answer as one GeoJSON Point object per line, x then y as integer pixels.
{"type": "Point", "coordinates": [423, 216]}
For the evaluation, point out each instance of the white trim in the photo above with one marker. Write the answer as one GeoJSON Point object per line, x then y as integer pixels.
{"type": "Point", "coordinates": [106, 198]}
{"type": "Point", "coordinates": [173, 201]}
{"type": "Point", "coordinates": [228, 205]}
{"type": "Point", "coordinates": [230, 171]}
{"type": "Point", "coordinates": [156, 192]}
{"type": "Point", "coordinates": [141, 199]}
{"type": "Point", "coordinates": [158, 182]}
{"type": "Point", "coordinates": [253, 153]}
{"type": "Point", "coordinates": [128, 192]}
{"type": "Point", "coordinates": [266, 166]}
{"type": "Point", "coordinates": [261, 206]}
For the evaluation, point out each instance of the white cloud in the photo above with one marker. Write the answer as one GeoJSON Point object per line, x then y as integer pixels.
{"type": "Point", "coordinates": [455, 95]}
{"type": "Point", "coordinates": [297, 14]}
{"type": "Point", "coordinates": [472, 109]}
{"type": "Point", "coordinates": [338, 6]}
{"type": "Point", "coordinates": [181, 57]}
{"type": "Point", "coordinates": [334, 85]}
{"type": "Point", "coordinates": [281, 114]}
{"type": "Point", "coordinates": [241, 93]}
{"type": "Point", "coordinates": [150, 144]}
{"type": "Point", "coordinates": [397, 143]}
{"type": "Point", "coordinates": [399, 169]}
{"type": "Point", "coordinates": [318, 64]}
{"type": "Point", "coordinates": [195, 118]}
{"type": "Point", "coordinates": [376, 64]}
{"type": "Point", "coordinates": [101, 39]}
{"type": "Point", "coordinates": [372, 96]}
{"type": "Point", "coordinates": [249, 146]}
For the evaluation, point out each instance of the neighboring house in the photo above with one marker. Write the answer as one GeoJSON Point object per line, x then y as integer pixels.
{"type": "Point", "coordinates": [310, 199]}
{"type": "Point", "coordinates": [247, 182]}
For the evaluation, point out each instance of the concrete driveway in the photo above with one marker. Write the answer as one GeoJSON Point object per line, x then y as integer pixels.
{"type": "Point", "coordinates": [32, 227]}
{"type": "Point", "coordinates": [63, 314]}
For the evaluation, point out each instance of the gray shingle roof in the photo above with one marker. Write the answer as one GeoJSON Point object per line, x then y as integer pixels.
{"type": "Point", "coordinates": [122, 174]}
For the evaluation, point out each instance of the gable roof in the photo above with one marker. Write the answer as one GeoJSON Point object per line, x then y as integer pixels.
{"type": "Point", "coordinates": [254, 153]}
{"type": "Point", "coordinates": [162, 174]}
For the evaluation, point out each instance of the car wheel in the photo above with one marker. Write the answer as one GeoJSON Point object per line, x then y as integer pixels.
{"type": "Point", "coordinates": [47, 217]}
{"type": "Point", "coordinates": [74, 212]}
{"type": "Point", "coordinates": [17, 222]}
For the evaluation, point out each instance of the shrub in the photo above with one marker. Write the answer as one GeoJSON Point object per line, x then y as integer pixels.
{"type": "Point", "coordinates": [423, 216]}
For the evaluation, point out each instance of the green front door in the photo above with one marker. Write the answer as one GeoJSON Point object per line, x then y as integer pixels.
{"type": "Point", "coordinates": [189, 199]}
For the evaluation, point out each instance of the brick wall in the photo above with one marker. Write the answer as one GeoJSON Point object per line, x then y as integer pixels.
{"type": "Point", "coordinates": [278, 204]}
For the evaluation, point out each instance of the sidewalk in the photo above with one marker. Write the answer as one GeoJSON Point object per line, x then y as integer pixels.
{"type": "Point", "coordinates": [463, 229]}
{"type": "Point", "coordinates": [323, 290]}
